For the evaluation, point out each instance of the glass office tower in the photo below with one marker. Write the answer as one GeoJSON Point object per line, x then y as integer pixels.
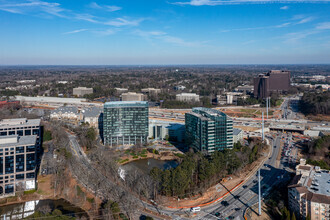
{"type": "Point", "coordinates": [208, 130]}
{"type": "Point", "coordinates": [125, 123]}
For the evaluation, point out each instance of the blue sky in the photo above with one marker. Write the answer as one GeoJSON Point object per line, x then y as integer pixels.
{"type": "Point", "coordinates": [130, 32]}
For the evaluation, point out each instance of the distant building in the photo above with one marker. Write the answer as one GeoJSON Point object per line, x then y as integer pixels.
{"type": "Point", "coordinates": [309, 192]}
{"type": "Point", "coordinates": [66, 112]}
{"type": "Point", "coordinates": [237, 135]}
{"type": "Point", "coordinates": [121, 90]}
{"type": "Point", "coordinates": [125, 123]}
{"type": "Point", "coordinates": [26, 81]}
{"type": "Point", "coordinates": [221, 99]}
{"type": "Point", "coordinates": [17, 164]}
{"type": "Point", "coordinates": [81, 91]}
{"type": "Point", "coordinates": [179, 87]}
{"type": "Point", "coordinates": [93, 116]}
{"type": "Point", "coordinates": [132, 96]}
{"type": "Point", "coordinates": [54, 101]}
{"type": "Point", "coordinates": [208, 130]}
{"type": "Point", "coordinates": [273, 81]}
{"type": "Point", "coordinates": [230, 98]}
{"type": "Point", "coordinates": [245, 88]}
{"type": "Point", "coordinates": [187, 97]}
{"type": "Point", "coordinates": [151, 91]}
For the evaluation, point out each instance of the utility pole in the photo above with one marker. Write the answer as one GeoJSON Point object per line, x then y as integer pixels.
{"type": "Point", "coordinates": [259, 188]}
{"type": "Point", "coordinates": [267, 103]}
{"type": "Point", "coordinates": [263, 135]}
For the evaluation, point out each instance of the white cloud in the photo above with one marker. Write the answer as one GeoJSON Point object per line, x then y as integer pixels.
{"type": "Point", "coordinates": [258, 28]}
{"type": "Point", "coordinates": [86, 17]}
{"type": "Point", "coordinates": [306, 20]}
{"type": "Point", "coordinates": [323, 26]}
{"type": "Point", "coordinates": [119, 22]}
{"type": "Point", "coordinates": [113, 8]}
{"type": "Point", "coordinates": [95, 5]}
{"type": "Point", "coordinates": [160, 35]}
{"type": "Point", "coordinates": [106, 32]}
{"type": "Point", "coordinates": [236, 2]}
{"type": "Point", "coordinates": [284, 7]}
{"type": "Point", "coordinates": [76, 31]}
{"type": "Point", "coordinates": [110, 8]}
{"type": "Point", "coordinates": [51, 8]}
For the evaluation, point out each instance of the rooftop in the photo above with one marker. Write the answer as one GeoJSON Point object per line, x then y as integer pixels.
{"type": "Point", "coordinates": [65, 109]}
{"type": "Point", "coordinates": [236, 131]}
{"type": "Point", "coordinates": [92, 112]}
{"type": "Point", "coordinates": [21, 140]}
{"type": "Point", "coordinates": [117, 104]}
{"type": "Point", "coordinates": [15, 122]}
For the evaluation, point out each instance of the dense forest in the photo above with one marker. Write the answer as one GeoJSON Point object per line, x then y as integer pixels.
{"type": "Point", "coordinates": [315, 103]}
{"type": "Point", "coordinates": [198, 172]}
{"type": "Point", "coordinates": [318, 152]}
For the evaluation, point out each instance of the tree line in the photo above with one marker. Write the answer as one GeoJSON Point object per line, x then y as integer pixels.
{"type": "Point", "coordinates": [197, 172]}
{"type": "Point", "coordinates": [315, 103]}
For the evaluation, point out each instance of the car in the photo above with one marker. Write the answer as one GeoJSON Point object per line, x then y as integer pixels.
{"type": "Point", "coordinates": [225, 203]}
{"type": "Point", "coordinates": [237, 197]}
{"type": "Point", "coordinates": [195, 209]}
{"type": "Point", "coordinates": [217, 214]}
{"type": "Point", "coordinates": [245, 186]}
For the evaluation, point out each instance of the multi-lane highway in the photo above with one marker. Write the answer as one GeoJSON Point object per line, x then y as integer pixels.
{"type": "Point", "coordinates": [234, 205]}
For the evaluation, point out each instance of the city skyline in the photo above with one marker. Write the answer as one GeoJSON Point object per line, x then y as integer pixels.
{"type": "Point", "coordinates": [104, 32]}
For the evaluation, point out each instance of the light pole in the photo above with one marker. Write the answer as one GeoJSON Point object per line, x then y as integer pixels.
{"type": "Point", "coordinates": [259, 189]}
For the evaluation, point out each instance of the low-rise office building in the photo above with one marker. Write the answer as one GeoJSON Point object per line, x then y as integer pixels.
{"type": "Point", "coordinates": [66, 113]}
{"type": "Point", "coordinates": [132, 96]}
{"type": "Point", "coordinates": [150, 91]}
{"type": "Point", "coordinates": [17, 164]}
{"type": "Point", "coordinates": [208, 130]}
{"type": "Point", "coordinates": [237, 135]}
{"type": "Point", "coordinates": [160, 130]}
{"type": "Point", "coordinates": [81, 91]}
{"type": "Point", "coordinates": [93, 116]}
{"type": "Point", "coordinates": [187, 97]}
{"type": "Point", "coordinates": [309, 192]}
{"type": "Point", "coordinates": [125, 123]}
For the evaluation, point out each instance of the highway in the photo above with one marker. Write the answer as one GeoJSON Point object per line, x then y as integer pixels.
{"type": "Point", "coordinates": [234, 205]}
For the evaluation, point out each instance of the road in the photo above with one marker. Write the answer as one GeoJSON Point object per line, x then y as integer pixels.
{"type": "Point", "coordinates": [234, 205]}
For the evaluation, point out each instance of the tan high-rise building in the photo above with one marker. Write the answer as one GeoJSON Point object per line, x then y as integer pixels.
{"type": "Point", "coordinates": [273, 81]}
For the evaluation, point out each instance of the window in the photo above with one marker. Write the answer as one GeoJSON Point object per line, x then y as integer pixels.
{"type": "Point", "coordinates": [9, 164]}
{"type": "Point", "coordinates": [29, 175]}
{"type": "Point", "coordinates": [20, 176]}
{"type": "Point", "coordinates": [19, 150]}
{"type": "Point", "coordinates": [27, 132]}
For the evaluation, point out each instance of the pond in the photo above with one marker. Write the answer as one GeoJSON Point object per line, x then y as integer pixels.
{"type": "Point", "coordinates": [147, 164]}
{"type": "Point", "coordinates": [25, 209]}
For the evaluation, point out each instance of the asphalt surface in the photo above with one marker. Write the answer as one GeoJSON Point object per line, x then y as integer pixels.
{"type": "Point", "coordinates": [234, 205]}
